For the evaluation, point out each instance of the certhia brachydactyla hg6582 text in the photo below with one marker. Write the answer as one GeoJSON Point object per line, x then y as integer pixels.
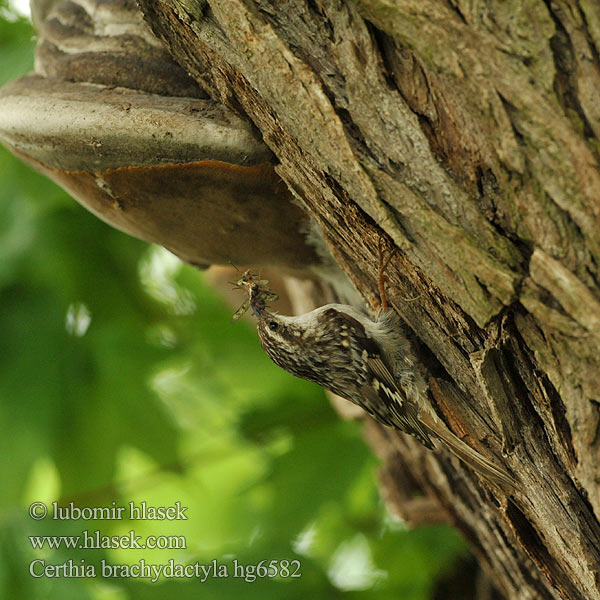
{"type": "Point", "coordinates": [367, 361]}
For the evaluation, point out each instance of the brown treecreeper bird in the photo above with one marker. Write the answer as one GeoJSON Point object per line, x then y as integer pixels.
{"type": "Point", "coordinates": [367, 361]}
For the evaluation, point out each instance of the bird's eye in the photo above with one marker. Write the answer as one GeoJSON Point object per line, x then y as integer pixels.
{"type": "Point", "coordinates": [273, 325]}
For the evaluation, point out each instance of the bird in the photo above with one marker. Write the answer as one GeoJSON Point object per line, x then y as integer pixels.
{"type": "Point", "coordinates": [368, 361]}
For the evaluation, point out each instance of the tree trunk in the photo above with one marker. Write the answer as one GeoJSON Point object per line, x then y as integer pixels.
{"type": "Point", "coordinates": [469, 134]}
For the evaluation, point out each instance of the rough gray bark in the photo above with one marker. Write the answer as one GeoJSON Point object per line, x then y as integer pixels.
{"type": "Point", "coordinates": [469, 134]}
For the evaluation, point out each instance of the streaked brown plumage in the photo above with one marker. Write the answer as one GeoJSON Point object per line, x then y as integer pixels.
{"type": "Point", "coordinates": [367, 361]}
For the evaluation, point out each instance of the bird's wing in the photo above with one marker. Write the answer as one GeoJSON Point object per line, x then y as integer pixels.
{"type": "Point", "coordinates": [384, 397]}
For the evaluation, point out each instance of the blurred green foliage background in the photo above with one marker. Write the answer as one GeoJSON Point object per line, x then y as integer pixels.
{"type": "Point", "coordinates": [122, 379]}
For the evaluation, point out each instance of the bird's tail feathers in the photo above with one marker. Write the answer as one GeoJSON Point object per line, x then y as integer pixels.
{"type": "Point", "coordinates": [468, 455]}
